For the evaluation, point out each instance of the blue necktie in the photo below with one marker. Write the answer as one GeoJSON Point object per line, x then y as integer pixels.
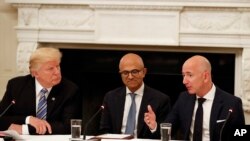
{"type": "Point", "coordinates": [197, 135]}
{"type": "Point", "coordinates": [42, 105]}
{"type": "Point", "coordinates": [131, 116]}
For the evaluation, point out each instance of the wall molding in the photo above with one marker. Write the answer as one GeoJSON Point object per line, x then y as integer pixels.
{"type": "Point", "coordinates": [166, 23]}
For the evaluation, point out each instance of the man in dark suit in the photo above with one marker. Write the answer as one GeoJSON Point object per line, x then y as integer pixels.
{"type": "Point", "coordinates": [118, 101]}
{"type": "Point", "coordinates": [62, 97]}
{"type": "Point", "coordinates": [217, 106]}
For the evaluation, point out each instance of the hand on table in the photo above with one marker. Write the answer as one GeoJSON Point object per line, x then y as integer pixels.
{"type": "Point", "coordinates": [41, 126]}
{"type": "Point", "coordinates": [16, 127]}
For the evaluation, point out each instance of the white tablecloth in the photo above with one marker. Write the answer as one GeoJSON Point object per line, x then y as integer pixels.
{"type": "Point", "coordinates": [64, 138]}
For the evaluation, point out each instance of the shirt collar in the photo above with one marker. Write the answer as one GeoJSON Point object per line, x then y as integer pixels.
{"type": "Point", "coordinates": [39, 87]}
{"type": "Point", "coordinates": [138, 92]}
{"type": "Point", "coordinates": [210, 95]}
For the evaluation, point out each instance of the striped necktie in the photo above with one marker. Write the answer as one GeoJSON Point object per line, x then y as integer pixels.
{"type": "Point", "coordinates": [42, 105]}
{"type": "Point", "coordinates": [130, 127]}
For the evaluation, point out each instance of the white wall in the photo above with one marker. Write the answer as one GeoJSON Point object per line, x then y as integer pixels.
{"type": "Point", "coordinates": [8, 44]}
{"type": "Point", "coordinates": [8, 40]}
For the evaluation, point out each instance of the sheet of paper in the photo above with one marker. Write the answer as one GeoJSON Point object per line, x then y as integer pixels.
{"type": "Point", "coordinates": [114, 136]}
{"type": "Point", "coordinates": [12, 133]}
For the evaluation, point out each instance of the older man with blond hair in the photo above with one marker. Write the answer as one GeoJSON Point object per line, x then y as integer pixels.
{"type": "Point", "coordinates": [44, 100]}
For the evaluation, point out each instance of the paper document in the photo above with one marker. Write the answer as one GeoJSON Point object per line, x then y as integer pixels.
{"type": "Point", "coordinates": [114, 136]}
{"type": "Point", "coordinates": [11, 133]}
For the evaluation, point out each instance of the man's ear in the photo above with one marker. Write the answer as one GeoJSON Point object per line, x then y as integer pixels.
{"type": "Point", "coordinates": [206, 76]}
{"type": "Point", "coordinates": [145, 70]}
{"type": "Point", "coordinates": [33, 73]}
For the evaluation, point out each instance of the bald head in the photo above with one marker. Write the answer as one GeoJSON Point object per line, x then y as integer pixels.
{"type": "Point", "coordinates": [196, 73]}
{"type": "Point", "coordinates": [132, 71]}
{"type": "Point", "coordinates": [131, 58]}
{"type": "Point", "coordinates": [199, 62]}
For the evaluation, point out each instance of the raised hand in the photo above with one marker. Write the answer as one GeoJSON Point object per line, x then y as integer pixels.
{"type": "Point", "coordinates": [150, 118]}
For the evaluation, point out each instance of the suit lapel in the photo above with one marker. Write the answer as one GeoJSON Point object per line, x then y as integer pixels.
{"type": "Point", "coordinates": [189, 114]}
{"type": "Point", "coordinates": [30, 92]}
{"type": "Point", "coordinates": [143, 108]}
{"type": "Point", "coordinates": [216, 110]}
{"type": "Point", "coordinates": [52, 99]}
{"type": "Point", "coordinates": [119, 103]}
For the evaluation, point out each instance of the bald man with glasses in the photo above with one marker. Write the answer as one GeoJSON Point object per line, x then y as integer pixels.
{"type": "Point", "coordinates": [125, 106]}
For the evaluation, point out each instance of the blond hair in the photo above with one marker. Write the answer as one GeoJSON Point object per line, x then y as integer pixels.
{"type": "Point", "coordinates": [42, 55]}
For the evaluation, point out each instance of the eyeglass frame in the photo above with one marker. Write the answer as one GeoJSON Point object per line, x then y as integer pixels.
{"type": "Point", "coordinates": [134, 72]}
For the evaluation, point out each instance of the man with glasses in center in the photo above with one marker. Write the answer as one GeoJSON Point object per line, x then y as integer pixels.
{"type": "Point", "coordinates": [125, 106]}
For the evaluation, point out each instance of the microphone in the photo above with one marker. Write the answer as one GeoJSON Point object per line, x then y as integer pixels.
{"type": "Point", "coordinates": [86, 126]}
{"type": "Point", "coordinates": [222, 128]}
{"type": "Point", "coordinates": [12, 103]}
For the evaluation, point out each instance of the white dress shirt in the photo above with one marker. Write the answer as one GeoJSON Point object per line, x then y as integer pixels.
{"type": "Point", "coordinates": [39, 87]}
{"type": "Point", "coordinates": [138, 98]}
{"type": "Point", "coordinates": [207, 106]}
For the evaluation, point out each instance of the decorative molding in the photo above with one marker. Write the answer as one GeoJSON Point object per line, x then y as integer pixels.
{"type": "Point", "coordinates": [66, 17]}
{"type": "Point", "coordinates": [28, 17]}
{"type": "Point", "coordinates": [215, 22]}
{"type": "Point", "coordinates": [196, 23]}
{"type": "Point", "coordinates": [136, 7]}
{"type": "Point", "coordinates": [245, 9]}
{"type": "Point", "coordinates": [27, 34]}
{"type": "Point", "coordinates": [245, 23]}
{"type": "Point", "coordinates": [207, 3]}
{"type": "Point", "coordinates": [24, 51]}
{"type": "Point", "coordinates": [246, 79]}
{"type": "Point", "coordinates": [26, 5]}
{"type": "Point", "coordinates": [212, 9]}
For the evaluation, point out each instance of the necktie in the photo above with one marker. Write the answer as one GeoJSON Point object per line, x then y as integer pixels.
{"type": "Point", "coordinates": [42, 105]}
{"type": "Point", "coordinates": [131, 116]}
{"type": "Point", "coordinates": [197, 135]}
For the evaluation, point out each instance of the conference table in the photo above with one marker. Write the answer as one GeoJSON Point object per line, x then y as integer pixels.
{"type": "Point", "coordinates": [66, 138]}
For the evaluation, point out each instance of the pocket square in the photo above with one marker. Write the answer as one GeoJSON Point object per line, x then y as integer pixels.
{"type": "Point", "coordinates": [221, 120]}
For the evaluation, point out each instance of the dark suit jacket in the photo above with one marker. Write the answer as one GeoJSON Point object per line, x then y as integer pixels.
{"type": "Point", "coordinates": [181, 114]}
{"type": "Point", "coordinates": [63, 104]}
{"type": "Point", "coordinates": [112, 116]}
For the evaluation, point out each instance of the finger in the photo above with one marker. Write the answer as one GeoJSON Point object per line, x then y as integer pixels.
{"type": "Point", "coordinates": [37, 129]}
{"type": "Point", "coordinates": [48, 127]}
{"type": "Point", "coordinates": [43, 129]}
{"type": "Point", "coordinates": [146, 120]}
{"type": "Point", "coordinates": [40, 130]}
{"type": "Point", "coordinates": [150, 109]}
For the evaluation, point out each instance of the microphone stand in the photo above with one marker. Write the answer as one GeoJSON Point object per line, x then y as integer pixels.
{"type": "Point", "coordinates": [90, 120]}
{"type": "Point", "coordinates": [222, 128]}
{"type": "Point", "coordinates": [7, 138]}
{"type": "Point", "coordinates": [12, 103]}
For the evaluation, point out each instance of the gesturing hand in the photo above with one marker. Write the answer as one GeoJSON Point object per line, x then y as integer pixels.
{"type": "Point", "coordinates": [150, 118]}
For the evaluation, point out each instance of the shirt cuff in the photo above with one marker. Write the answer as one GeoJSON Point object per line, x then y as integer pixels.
{"type": "Point", "coordinates": [153, 130]}
{"type": "Point", "coordinates": [25, 129]}
{"type": "Point", "coordinates": [27, 120]}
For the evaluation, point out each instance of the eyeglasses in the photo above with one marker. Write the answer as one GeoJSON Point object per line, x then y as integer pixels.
{"type": "Point", "coordinates": [134, 72]}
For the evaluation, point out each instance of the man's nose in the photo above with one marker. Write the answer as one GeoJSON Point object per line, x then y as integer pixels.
{"type": "Point", "coordinates": [184, 81]}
